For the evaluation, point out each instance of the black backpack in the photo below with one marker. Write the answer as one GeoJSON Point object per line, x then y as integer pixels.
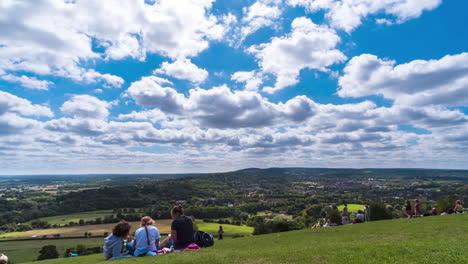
{"type": "Point", "coordinates": [203, 239]}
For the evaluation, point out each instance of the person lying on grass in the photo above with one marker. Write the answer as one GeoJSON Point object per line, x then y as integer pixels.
{"type": "Point", "coordinates": [113, 244]}
{"type": "Point", "coordinates": [146, 238]}
{"type": "Point", "coordinates": [181, 230]}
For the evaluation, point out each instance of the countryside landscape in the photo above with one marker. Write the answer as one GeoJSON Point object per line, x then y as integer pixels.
{"type": "Point", "coordinates": [247, 203]}
{"type": "Point", "coordinates": [223, 131]}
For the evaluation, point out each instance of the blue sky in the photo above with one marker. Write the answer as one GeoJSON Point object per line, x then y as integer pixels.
{"type": "Point", "coordinates": [206, 85]}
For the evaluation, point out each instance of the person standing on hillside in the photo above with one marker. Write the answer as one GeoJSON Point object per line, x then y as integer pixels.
{"type": "Point", "coordinates": [366, 213]}
{"type": "Point", "coordinates": [146, 238]}
{"type": "Point", "coordinates": [345, 210]}
{"type": "Point", "coordinates": [417, 208]}
{"type": "Point", "coordinates": [458, 207]}
{"type": "Point", "coordinates": [408, 208]}
{"type": "Point", "coordinates": [220, 233]}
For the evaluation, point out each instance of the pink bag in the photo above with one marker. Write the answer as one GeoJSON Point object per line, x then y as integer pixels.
{"type": "Point", "coordinates": [192, 247]}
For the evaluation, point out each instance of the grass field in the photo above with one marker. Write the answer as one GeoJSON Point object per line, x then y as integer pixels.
{"type": "Point", "coordinates": [65, 219]}
{"type": "Point", "coordinates": [352, 208]}
{"type": "Point", "coordinates": [24, 251]}
{"type": "Point", "coordinates": [440, 239]}
{"type": "Point", "coordinates": [28, 250]}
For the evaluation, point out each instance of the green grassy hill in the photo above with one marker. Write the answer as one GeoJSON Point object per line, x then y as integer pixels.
{"type": "Point", "coordinates": [441, 239]}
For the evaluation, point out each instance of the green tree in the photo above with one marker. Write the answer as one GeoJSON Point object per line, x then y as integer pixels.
{"type": "Point", "coordinates": [80, 249]}
{"type": "Point", "coordinates": [48, 252]}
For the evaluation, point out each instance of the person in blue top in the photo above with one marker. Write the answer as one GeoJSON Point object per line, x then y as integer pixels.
{"type": "Point", "coordinates": [181, 230]}
{"type": "Point", "coordinates": [113, 244]}
{"type": "Point", "coordinates": [146, 238]}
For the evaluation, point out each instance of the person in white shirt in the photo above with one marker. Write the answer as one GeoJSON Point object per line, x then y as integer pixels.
{"type": "Point", "coordinates": [146, 238]}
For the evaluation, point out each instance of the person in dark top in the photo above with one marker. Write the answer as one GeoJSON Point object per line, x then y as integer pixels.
{"type": "Point", "coordinates": [181, 229]}
{"type": "Point", "coordinates": [408, 208]}
{"type": "Point", "coordinates": [220, 233]}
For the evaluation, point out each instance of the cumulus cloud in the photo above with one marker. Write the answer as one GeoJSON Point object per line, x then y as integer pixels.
{"type": "Point", "coordinates": [219, 107]}
{"type": "Point", "coordinates": [86, 106]}
{"type": "Point", "coordinates": [10, 103]}
{"type": "Point", "coordinates": [252, 79]}
{"type": "Point", "coordinates": [12, 108]}
{"type": "Point", "coordinates": [348, 14]}
{"type": "Point", "coordinates": [183, 69]}
{"type": "Point", "coordinates": [308, 46]}
{"type": "Point", "coordinates": [417, 83]}
{"type": "Point", "coordinates": [27, 82]}
{"type": "Point", "coordinates": [262, 13]}
{"type": "Point", "coordinates": [150, 91]}
{"type": "Point", "coordinates": [48, 37]}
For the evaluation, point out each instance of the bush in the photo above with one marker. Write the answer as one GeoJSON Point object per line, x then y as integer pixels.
{"type": "Point", "coordinates": [379, 211]}
{"type": "Point", "coordinates": [48, 252]}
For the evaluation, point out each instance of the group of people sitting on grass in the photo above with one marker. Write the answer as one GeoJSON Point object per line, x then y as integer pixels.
{"type": "Point", "coordinates": [458, 209]}
{"type": "Point", "coordinates": [146, 241]}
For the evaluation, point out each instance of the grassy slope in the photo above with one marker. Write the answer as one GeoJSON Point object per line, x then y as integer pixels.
{"type": "Point", "coordinates": [441, 239]}
{"type": "Point", "coordinates": [23, 251]}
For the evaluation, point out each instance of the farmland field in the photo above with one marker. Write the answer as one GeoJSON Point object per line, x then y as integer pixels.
{"type": "Point", "coordinates": [65, 219]}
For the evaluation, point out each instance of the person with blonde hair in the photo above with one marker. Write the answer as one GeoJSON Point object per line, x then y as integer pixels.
{"type": "Point", "coordinates": [458, 207]}
{"type": "Point", "coordinates": [146, 238]}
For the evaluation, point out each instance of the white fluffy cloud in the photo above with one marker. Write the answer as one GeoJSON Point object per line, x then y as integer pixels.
{"type": "Point", "coordinates": [183, 69]}
{"type": "Point", "coordinates": [348, 14]}
{"type": "Point", "coordinates": [252, 79]}
{"type": "Point", "coordinates": [219, 107]}
{"type": "Point", "coordinates": [308, 46]}
{"type": "Point", "coordinates": [53, 37]}
{"type": "Point", "coordinates": [433, 82]}
{"type": "Point", "coordinates": [27, 82]}
{"type": "Point", "coordinates": [262, 13]}
{"type": "Point", "coordinates": [86, 106]}
{"type": "Point", "coordinates": [12, 108]}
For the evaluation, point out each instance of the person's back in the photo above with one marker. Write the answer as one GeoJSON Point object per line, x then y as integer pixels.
{"type": "Point", "coordinates": [184, 228]}
{"type": "Point", "coordinates": [146, 238]}
{"type": "Point", "coordinates": [113, 244]}
{"type": "Point", "coordinates": [360, 217]}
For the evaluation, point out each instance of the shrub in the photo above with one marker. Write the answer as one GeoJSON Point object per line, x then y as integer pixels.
{"type": "Point", "coordinates": [379, 211]}
{"type": "Point", "coordinates": [48, 252]}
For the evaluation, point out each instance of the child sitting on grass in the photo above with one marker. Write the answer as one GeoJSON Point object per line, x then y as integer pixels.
{"type": "Point", "coordinates": [113, 244]}
{"type": "Point", "coordinates": [146, 238]}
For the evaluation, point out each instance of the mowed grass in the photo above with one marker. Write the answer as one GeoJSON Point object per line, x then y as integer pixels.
{"type": "Point", "coordinates": [229, 230]}
{"type": "Point", "coordinates": [352, 208]}
{"type": "Point", "coordinates": [437, 239]}
{"type": "Point", "coordinates": [65, 219]}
